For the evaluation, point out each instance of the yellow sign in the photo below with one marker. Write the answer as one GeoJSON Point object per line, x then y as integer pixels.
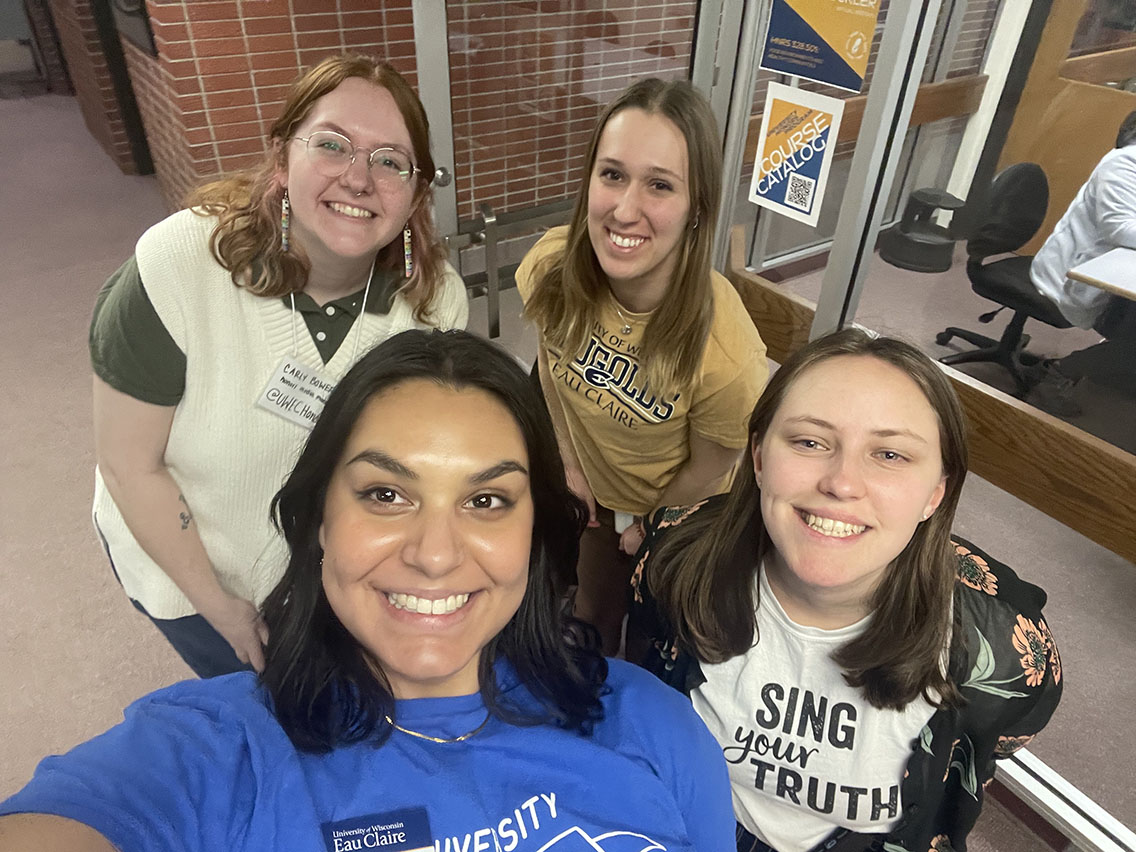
{"type": "Point", "coordinates": [828, 41]}
{"type": "Point", "coordinates": [798, 132]}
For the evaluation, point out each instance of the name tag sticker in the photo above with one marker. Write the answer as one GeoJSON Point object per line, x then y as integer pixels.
{"type": "Point", "coordinates": [296, 392]}
{"type": "Point", "coordinates": [407, 830]}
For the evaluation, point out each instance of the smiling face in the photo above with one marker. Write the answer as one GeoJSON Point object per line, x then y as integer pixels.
{"type": "Point", "coordinates": [350, 216]}
{"type": "Point", "coordinates": [849, 467]}
{"type": "Point", "coordinates": [426, 533]}
{"type": "Point", "coordinates": [639, 204]}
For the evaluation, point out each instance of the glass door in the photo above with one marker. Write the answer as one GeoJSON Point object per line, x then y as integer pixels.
{"type": "Point", "coordinates": [956, 92]}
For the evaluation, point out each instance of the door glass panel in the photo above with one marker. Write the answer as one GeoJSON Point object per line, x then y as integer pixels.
{"type": "Point", "coordinates": [529, 80]}
{"type": "Point", "coordinates": [1065, 120]}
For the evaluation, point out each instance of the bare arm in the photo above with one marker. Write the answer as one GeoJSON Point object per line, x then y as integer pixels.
{"type": "Point", "coordinates": [130, 446]}
{"type": "Point", "coordinates": [48, 833]}
{"type": "Point", "coordinates": [576, 479]}
{"type": "Point", "coordinates": [702, 473]}
{"type": "Point", "coordinates": [699, 477]}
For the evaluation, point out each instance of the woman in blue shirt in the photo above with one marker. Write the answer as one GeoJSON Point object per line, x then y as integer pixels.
{"type": "Point", "coordinates": [421, 691]}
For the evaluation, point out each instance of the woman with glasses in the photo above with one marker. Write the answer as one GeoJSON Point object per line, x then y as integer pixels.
{"type": "Point", "coordinates": [647, 356]}
{"type": "Point", "coordinates": [216, 344]}
{"type": "Point", "coordinates": [422, 691]}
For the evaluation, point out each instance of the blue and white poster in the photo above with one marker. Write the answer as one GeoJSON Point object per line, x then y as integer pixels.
{"type": "Point", "coordinates": [827, 41]}
{"type": "Point", "coordinates": [794, 152]}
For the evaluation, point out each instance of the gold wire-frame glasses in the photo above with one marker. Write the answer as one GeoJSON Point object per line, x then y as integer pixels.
{"type": "Point", "coordinates": [332, 154]}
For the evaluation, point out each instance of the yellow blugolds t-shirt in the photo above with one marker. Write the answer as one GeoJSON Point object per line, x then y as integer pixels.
{"type": "Point", "coordinates": [631, 439]}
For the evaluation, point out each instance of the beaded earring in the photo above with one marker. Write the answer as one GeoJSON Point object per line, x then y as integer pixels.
{"type": "Point", "coordinates": [407, 253]}
{"type": "Point", "coordinates": [285, 221]}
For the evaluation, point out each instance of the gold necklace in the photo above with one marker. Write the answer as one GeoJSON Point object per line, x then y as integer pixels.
{"type": "Point", "coordinates": [462, 738]}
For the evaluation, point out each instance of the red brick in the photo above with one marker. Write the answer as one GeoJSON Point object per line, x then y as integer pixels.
{"type": "Point", "coordinates": [230, 115]}
{"type": "Point", "coordinates": [355, 36]}
{"type": "Point", "coordinates": [199, 135]}
{"type": "Point", "coordinates": [240, 130]}
{"type": "Point", "coordinates": [241, 80]}
{"type": "Point", "coordinates": [275, 77]}
{"type": "Point", "coordinates": [217, 29]}
{"type": "Point", "coordinates": [313, 55]}
{"type": "Point", "coordinates": [219, 47]}
{"type": "Point", "coordinates": [192, 120]}
{"type": "Point", "coordinates": [224, 64]}
{"type": "Point", "coordinates": [300, 7]}
{"type": "Point", "coordinates": [190, 103]}
{"type": "Point", "coordinates": [165, 13]}
{"type": "Point", "coordinates": [179, 69]}
{"type": "Point", "coordinates": [311, 23]}
{"type": "Point", "coordinates": [240, 146]}
{"type": "Point", "coordinates": [321, 40]}
{"type": "Point", "coordinates": [268, 25]}
{"type": "Point", "coordinates": [267, 61]}
{"type": "Point", "coordinates": [259, 8]}
{"type": "Point", "coordinates": [396, 17]}
{"type": "Point", "coordinates": [240, 162]}
{"type": "Point", "coordinates": [200, 10]}
{"type": "Point", "coordinates": [201, 153]}
{"type": "Point", "coordinates": [270, 43]}
{"type": "Point", "coordinates": [272, 94]}
{"type": "Point", "coordinates": [238, 98]}
{"type": "Point", "coordinates": [175, 51]}
{"type": "Point", "coordinates": [373, 18]}
{"type": "Point", "coordinates": [172, 32]}
{"type": "Point", "coordinates": [400, 32]}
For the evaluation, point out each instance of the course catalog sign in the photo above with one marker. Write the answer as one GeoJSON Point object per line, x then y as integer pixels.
{"type": "Point", "coordinates": [823, 40]}
{"type": "Point", "coordinates": [794, 152]}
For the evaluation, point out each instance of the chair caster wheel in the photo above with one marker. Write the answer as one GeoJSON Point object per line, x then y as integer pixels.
{"type": "Point", "coordinates": [943, 338]}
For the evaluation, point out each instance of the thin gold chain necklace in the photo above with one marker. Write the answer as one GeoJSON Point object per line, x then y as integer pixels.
{"type": "Point", "coordinates": [626, 329]}
{"type": "Point", "coordinates": [429, 738]}
{"type": "Point", "coordinates": [626, 323]}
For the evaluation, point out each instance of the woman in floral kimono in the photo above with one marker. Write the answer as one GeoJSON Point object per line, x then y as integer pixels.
{"type": "Point", "coordinates": [859, 669]}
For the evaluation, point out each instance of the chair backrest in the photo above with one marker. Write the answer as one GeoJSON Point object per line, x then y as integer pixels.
{"type": "Point", "coordinates": [1015, 208]}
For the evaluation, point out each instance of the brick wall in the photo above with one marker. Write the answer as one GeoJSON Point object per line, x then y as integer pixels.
{"type": "Point", "coordinates": [224, 68]}
{"type": "Point", "coordinates": [529, 80]}
{"type": "Point", "coordinates": [47, 42]}
{"type": "Point", "coordinates": [90, 77]}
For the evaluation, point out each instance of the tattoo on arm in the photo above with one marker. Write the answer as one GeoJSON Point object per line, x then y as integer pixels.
{"type": "Point", "coordinates": [185, 516]}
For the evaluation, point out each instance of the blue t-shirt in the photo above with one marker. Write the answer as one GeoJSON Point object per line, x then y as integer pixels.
{"type": "Point", "coordinates": [203, 765]}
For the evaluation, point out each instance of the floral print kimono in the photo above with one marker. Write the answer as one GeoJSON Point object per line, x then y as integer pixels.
{"type": "Point", "coordinates": [1003, 659]}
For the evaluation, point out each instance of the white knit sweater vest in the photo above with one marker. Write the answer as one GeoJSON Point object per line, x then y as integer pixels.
{"type": "Point", "coordinates": [228, 455]}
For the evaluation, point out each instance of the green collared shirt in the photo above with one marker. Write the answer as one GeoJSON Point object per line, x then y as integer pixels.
{"type": "Point", "coordinates": [132, 351]}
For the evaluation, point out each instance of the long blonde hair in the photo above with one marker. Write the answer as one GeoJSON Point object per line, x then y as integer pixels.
{"type": "Point", "coordinates": [571, 287]}
{"type": "Point", "coordinates": [247, 204]}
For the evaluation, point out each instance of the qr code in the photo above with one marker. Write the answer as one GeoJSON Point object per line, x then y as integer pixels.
{"type": "Point", "coordinates": [799, 192]}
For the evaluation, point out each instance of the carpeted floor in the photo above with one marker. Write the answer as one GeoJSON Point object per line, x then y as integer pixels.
{"type": "Point", "coordinates": [73, 652]}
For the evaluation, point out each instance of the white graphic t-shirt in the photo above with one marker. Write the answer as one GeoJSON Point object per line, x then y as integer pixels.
{"type": "Point", "coordinates": [806, 752]}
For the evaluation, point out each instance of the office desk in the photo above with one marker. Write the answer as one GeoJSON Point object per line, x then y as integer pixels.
{"type": "Point", "coordinates": [1114, 271]}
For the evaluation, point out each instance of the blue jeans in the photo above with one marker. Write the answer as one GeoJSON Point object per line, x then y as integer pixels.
{"type": "Point", "coordinates": [203, 648]}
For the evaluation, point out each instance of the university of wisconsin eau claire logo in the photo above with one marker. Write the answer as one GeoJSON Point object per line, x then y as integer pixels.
{"type": "Point", "coordinates": [608, 375]}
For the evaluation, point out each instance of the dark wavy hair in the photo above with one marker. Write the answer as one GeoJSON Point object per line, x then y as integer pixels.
{"type": "Point", "coordinates": [326, 689]}
{"type": "Point", "coordinates": [1126, 135]}
{"type": "Point", "coordinates": [702, 573]}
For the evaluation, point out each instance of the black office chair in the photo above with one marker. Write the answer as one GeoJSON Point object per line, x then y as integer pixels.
{"type": "Point", "coordinates": [1015, 209]}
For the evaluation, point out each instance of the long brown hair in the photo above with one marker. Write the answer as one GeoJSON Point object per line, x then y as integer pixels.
{"type": "Point", "coordinates": [571, 287]}
{"type": "Point", "coordinates": [247, 204]}
{"type": "Point", "coordinates": [702, 573]}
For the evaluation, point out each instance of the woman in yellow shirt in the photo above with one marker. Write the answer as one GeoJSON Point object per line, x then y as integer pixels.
{"type": "Point", "coordinates": [647, 357]}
